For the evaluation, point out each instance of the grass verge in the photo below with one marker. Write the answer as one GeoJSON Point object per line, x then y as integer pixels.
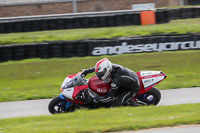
{"type": "Point", "coordinates": [105, 120]}
{"type": "Point", "coordinates": [185, 6]}
{"type": "Point", "coordinates": [41, 78]}
{"type": "Point", "coordinates": [176, 26]}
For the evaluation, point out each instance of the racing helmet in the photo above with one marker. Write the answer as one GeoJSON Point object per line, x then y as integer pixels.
{"type": "Point", "coordinates": [103, 68]}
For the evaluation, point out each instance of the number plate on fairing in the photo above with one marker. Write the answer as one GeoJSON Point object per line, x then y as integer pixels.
{"type": "Point", "coordinates": [150, 78]}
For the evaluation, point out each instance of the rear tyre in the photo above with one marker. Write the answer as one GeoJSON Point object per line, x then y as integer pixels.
{"type": "Point", "coordinates": [152, 97]}
{"type": "Point", "coordinates": [58, 105]}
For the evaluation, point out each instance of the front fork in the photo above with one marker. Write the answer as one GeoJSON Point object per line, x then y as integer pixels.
{"type": "Point", "coordinates": [67, 104]}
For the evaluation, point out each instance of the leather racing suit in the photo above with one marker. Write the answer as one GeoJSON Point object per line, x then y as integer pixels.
{"type": "Point", "coordinates": [124, 85]}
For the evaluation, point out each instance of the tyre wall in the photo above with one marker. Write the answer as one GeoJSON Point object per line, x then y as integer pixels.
{"type": "Point", "coordinates": [91, 20]}
{"type": "Point", "coordinates": [97, 47]}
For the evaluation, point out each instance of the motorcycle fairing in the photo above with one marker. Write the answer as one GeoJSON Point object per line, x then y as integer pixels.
{"type": "Point", "coordinates": [77, 89]}
{"type": "Point", "coordinates": [67, 79]}
{"type": "Point", "coordinates": [71, 93]}
{"type": "Point", "coordinates": [68, 93]}
{"type": "Point", "coordinates": [149, 79]}
{"type": "Point", "coordinates": [98, 86]}
{"type": "Point", "coordinates": [62, 96]}
{"type": "Point", "coordinates": [72, 85]}
{"type": "Point", "coordinates": [71, 81]}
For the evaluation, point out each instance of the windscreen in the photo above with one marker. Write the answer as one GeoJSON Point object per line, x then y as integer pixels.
{"type": "Point", "coordinates": [76, 81]}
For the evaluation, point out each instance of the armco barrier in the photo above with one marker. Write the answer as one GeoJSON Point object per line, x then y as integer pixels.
{"type": "Point", "coordinates": [96, 47]}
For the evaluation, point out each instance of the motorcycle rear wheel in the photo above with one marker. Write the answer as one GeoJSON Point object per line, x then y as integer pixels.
{"type": "Point", "coordinates": [152, 97]}
{"type": "Point", "coordinates": [58, 105]}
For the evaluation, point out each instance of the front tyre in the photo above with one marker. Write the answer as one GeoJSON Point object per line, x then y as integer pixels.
{"type": "Point", "coordinates": [58, 105]}
{"type": "Point", "coordinates": [152, 97]}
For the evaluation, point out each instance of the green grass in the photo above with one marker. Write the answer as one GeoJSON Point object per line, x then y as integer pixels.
{"type": "Point", "coordinates": [105, 120]}
{"type": "Point", "coordinates": [41, 78]}
{"type": "Point", "coordinates": [176, 26]}
{"type": "Point", "coordinates": [185, 6]}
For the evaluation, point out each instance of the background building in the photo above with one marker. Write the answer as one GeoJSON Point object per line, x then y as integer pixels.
{"type": "Point", "coordinates": [12, 8]}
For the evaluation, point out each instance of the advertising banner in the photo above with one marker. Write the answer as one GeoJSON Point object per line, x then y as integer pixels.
{"type": "Point", "coordinates": [172, 43]}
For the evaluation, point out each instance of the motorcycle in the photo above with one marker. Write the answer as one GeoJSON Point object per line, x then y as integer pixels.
{"type": "Point", "coordinates": [74, 86]}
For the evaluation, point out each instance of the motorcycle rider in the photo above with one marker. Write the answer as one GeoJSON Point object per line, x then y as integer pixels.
{"type": "Point", "coordinates": [124, 83]}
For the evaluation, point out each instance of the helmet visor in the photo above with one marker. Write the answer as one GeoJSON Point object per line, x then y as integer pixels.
{"type": "Point", "coordinates": [101, 74]}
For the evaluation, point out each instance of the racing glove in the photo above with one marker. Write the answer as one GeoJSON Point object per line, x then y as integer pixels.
{"type": "Point", "coordinates": [86, 71]}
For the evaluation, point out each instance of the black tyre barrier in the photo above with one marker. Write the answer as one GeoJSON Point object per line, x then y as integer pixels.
{"type": "Point", "coordinates": [94, 22]}
{"type": "Point", "coordinates": [186, 13]}
{"type": "Point", "coordinates": [85, 22]}
{"type": "Point", "coordinates": [95, 47]}
{"type": "Point", "coordinates": [9, 27]}
{"type": "Point", "coordinates": [118, 20]}
{"type": "Point", "coordinates": [80, 48]}
{"type": "Point", "coordinates": [51, 24]}
{"type": "Point", "coordinates": [6, 53]}
{"type": "Point", "coordinates": [162, 16]}
{"type": "Point", "coordinates": [196, 37]}
{"type": "Point", "coordinates": [174, 14]}
{"type": "Point", "coordinates": [110, 21]}
{"type": "Point", "coordinates": [67, 23]}
{"type": "Point", "coordinates": [159, 17]}
{"type": "Point", "coordinates": [60, 24]}
{"type": "Point", "coordinates": [74, 21]}
{"type": "Point", "coordinates": [41, 25]}
{"type": "Point", "coordinates": [18, 52]}
{"type": "Point", "coordinates": [196, 12]}
{"type": "Point", "coordinates": [55, 50]}
{"type": "Point", "coordinates": [68, 49]}
{"type": "Point", "coordinates": [26, 26]}
{"type": "Point", "coordinates": [167, 16]}
{"type": "Point", "coordinates": [43, 50]}
{"type": "Point", "coordinates": [135, 18]}
{"type": "Point", "coordinates": [127, 19]}
{"type": "Point", "coordinates": [71, 23]}
{"type": "Point", "coordinates": [17, 26]}
{"type": "Point", "coordinates": [102, 21]}
{"type": "Point", "coordinates": [35, 25]}
{"type": "Point", "coordinates": [30, 51]}
{"type": "Point", "coordinates": [2, 28]}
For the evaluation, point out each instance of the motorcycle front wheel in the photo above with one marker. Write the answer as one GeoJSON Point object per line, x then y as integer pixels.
{"type": "Point", "coordinates": [58, 105]}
